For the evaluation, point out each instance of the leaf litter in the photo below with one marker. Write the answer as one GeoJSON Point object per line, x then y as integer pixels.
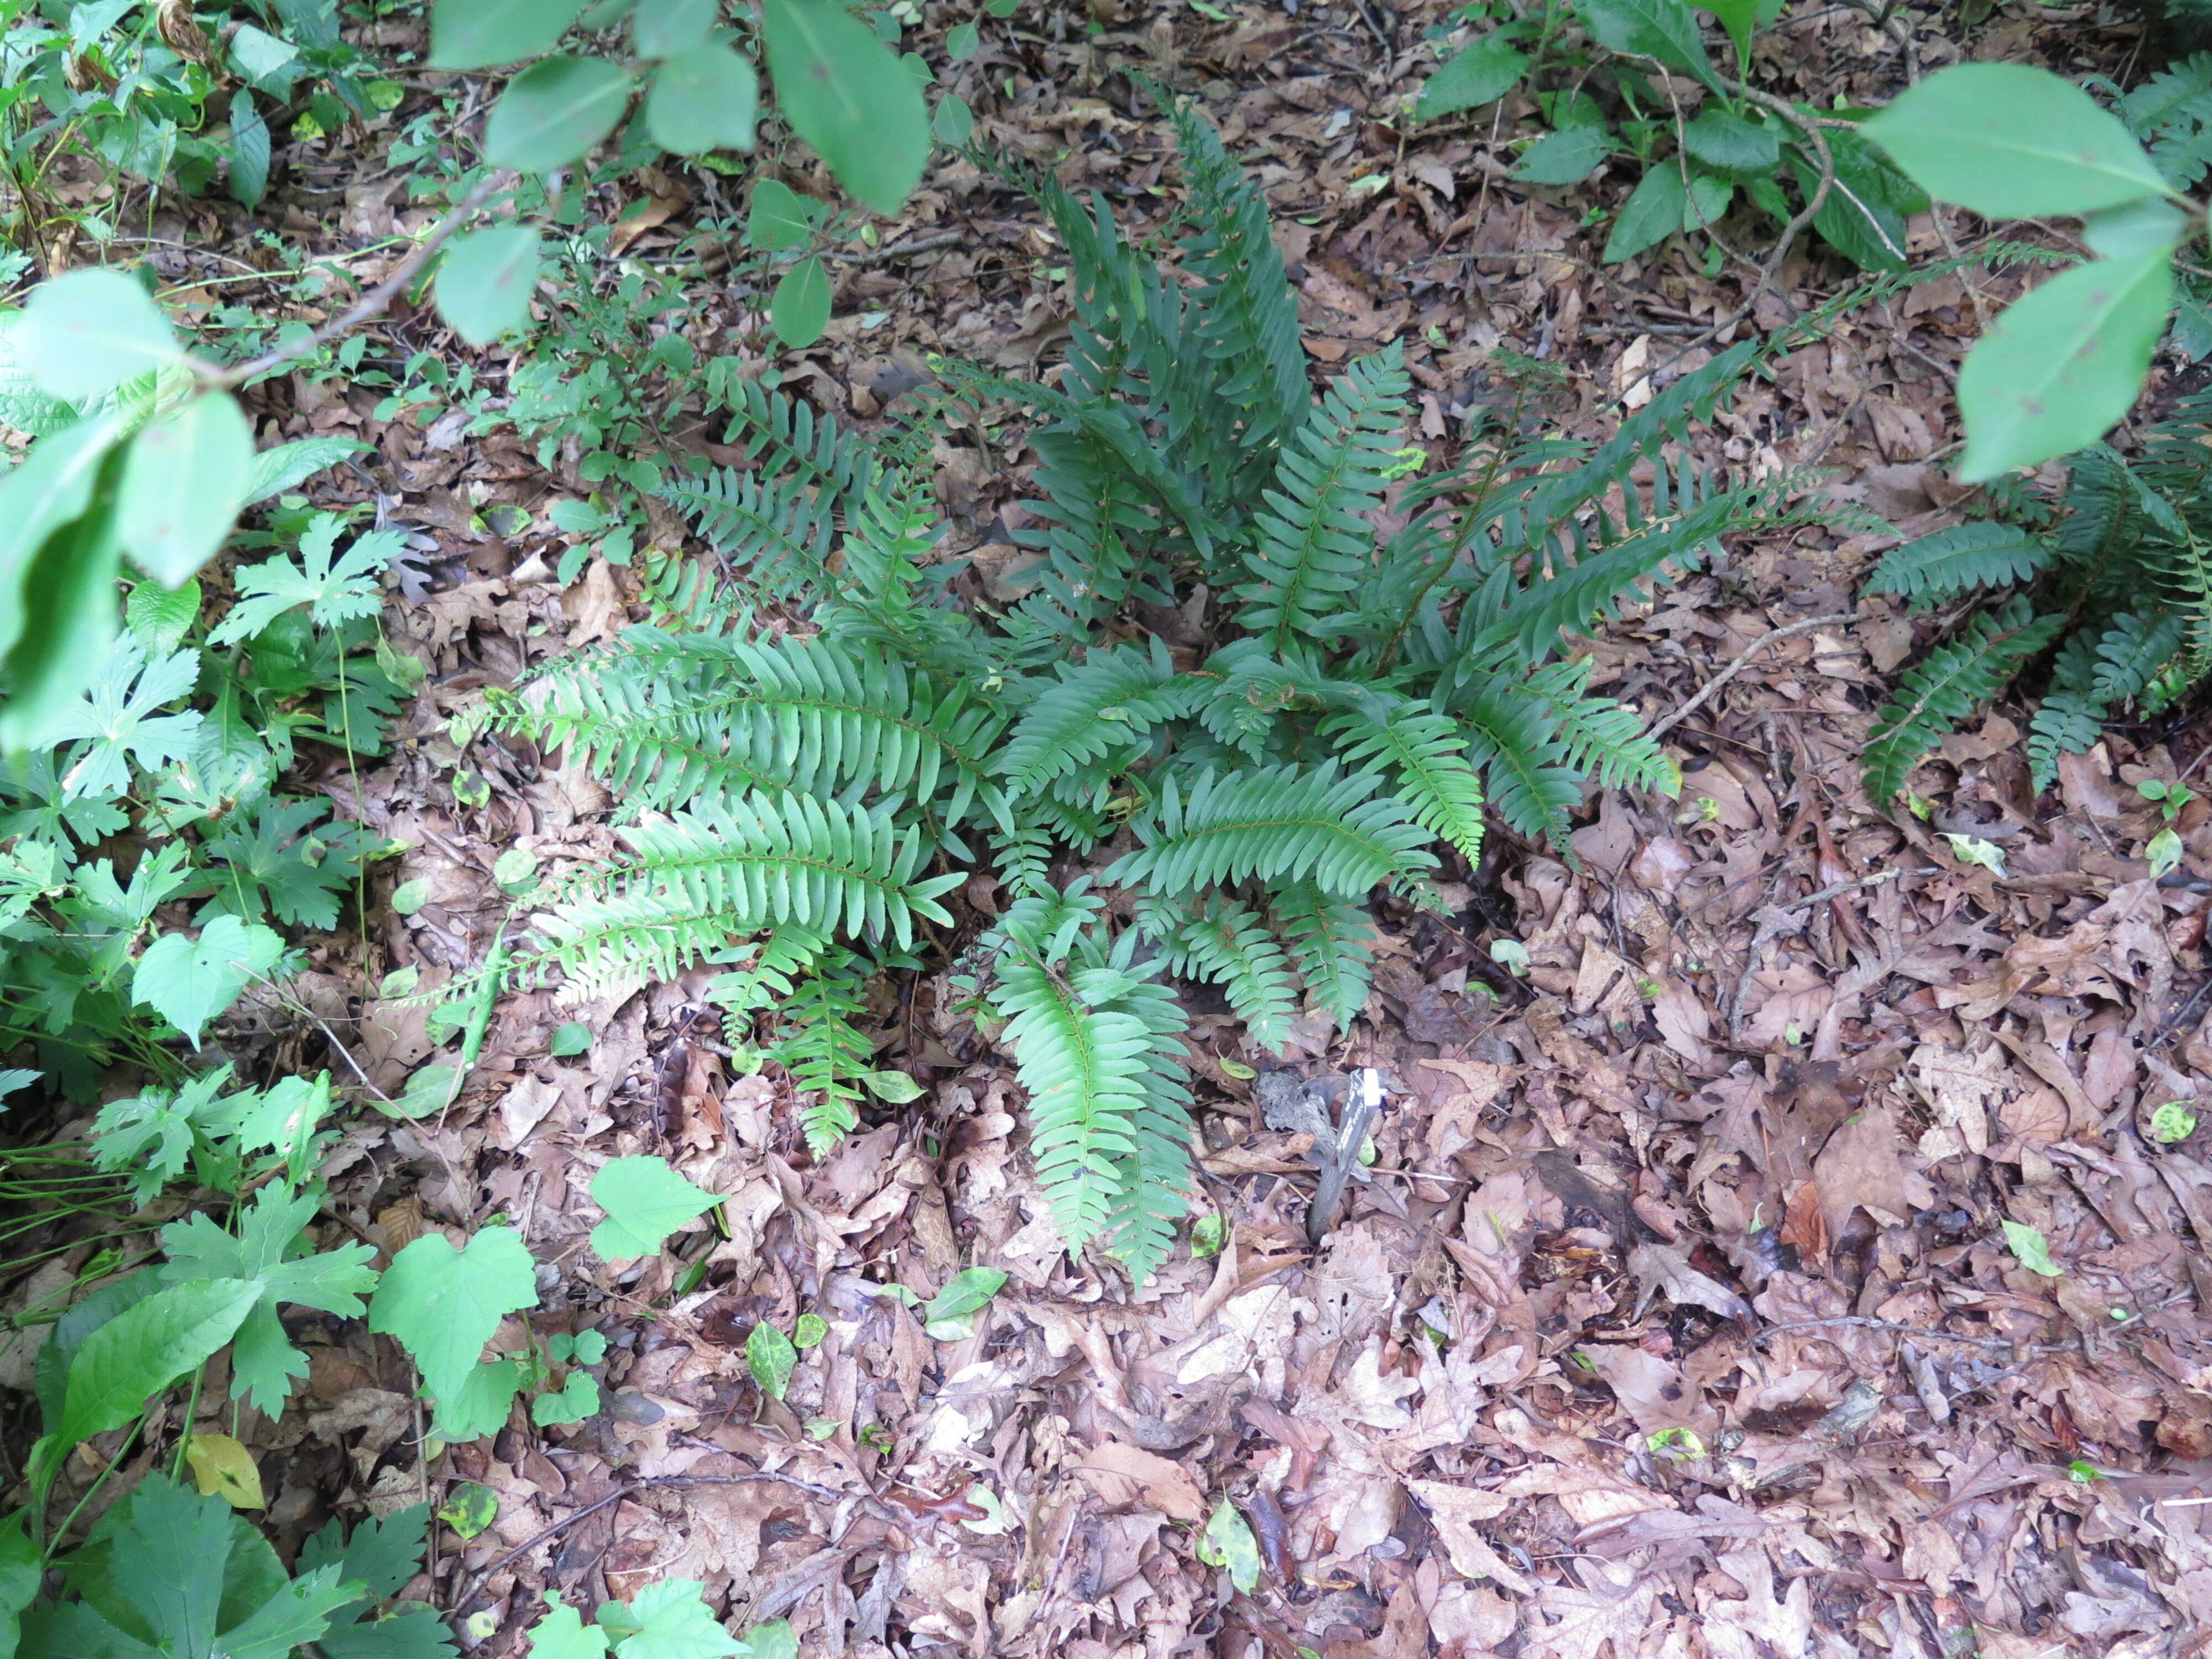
{"type": "Point", "coordinates": [1749, 1274]}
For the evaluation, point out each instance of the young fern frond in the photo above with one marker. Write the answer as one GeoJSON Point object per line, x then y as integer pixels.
{"type": "Point", "coordinates": [1331, 943]}
{"type": "Point", "coordinates": [1946, 688]}
{"type": "Point", "coordinates": [1315, 546]}
{"type": "Point", "coordinates": [783, 436]}
{"type": "Point", "coordinates": [1285, 823]}
{"type": "Point", "coordinates": [1228, 944]}
{"type": "Point", "coordinates": [616, 944]}
{"type": "Point", "coordinates": [766, 981]}
{"type": "Point", "coordinates": [823, 1051]}
{"type": "Point", "coordinates": [1983, 554]}
{"type": "Point", "coordinates": [1154, 1173]}
{"type": "Point", "coordinates": [2064, 723]}
{"type": "Point", "coordinates": [775, 530]}
{"type": "Point", "coordinates": [1427, 755]}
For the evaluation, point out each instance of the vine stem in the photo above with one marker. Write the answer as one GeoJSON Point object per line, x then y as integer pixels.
{"type": "Point", "coordinates": [372, 304]}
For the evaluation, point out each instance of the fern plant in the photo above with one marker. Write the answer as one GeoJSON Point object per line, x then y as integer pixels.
{"type": "Point", "coordinates": [2118, 575]}
{"type": "Point", "coordinates": [821, 743]}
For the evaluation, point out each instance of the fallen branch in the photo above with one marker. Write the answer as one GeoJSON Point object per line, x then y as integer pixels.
{"type": "Point", "coordinates": [1742, 658]}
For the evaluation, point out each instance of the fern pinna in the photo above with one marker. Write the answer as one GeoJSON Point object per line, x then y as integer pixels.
{"type": "Point", "coordinates": [2119, 576]}
{"type": "Point", "coordinates": [811, 781]}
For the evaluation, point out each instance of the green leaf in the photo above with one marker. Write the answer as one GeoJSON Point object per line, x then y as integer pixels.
{"type": "Point", "coordinates": [159, 617]}
{"type": "Point", "coordinates": [249, 151]}
{"type": "Point", "coordinates": [896, 1087]}
{"type": "Point", "coordinates": [573, 1038]}
{"type": "Point", "coordinates": [2173, 1122]}
{"type": "Point", "coordinates": [486, 280]}
{"type": "Point", "coordinates": [1738, 17]}
{"type": "Point", "coordinates": [410, 897]}
{"type": "Point", "coordinates": [1654, 28]}
{"type": "Point", "coordinates": [185, 478]}
{"type": "Point", "coordinates": [553, 112]}
{"type": "Point", "coordinates": [2152, 225]}
{"type": "Point", "coordinates": [808, 1330]}
{"type": "Point", "coordinates": [469, 1509]}
{"type": "Point", "coordinates": [771, 1358]}
{"type": "Point", "coordinates": [189, 981]}
{"type": "Point", "coordinates": [662, 28]}
{"type": "Point", "coordinates": [954, 123]}
{"type": "Point", "coordinates": [1652, 213]}
{"type": "Point", "coordinates": [444, 1304]}
{"type": "Point", "coordinates": [2010, 141]}
{"type": "Point", "coordinates": [967, 1292]}
{"type": "Point", "coordinates": [562, 1634]}
{"type": "Point", "coordinates": [91, 330]}
{"type": "Point", "coordinates": [337, 589]}
{"type": "Point", "coordinates": [2033, 1250]}
{"type": "Point", "coordinates": [1721, 138]}
{"type": "Point", "coordinates": [1567, 156]}
{"type": "Point", "coordinates": [800, 310]}
{"type": "Point", "coordinates": [1479, 73]}
{"type": "Point", "coordinates": [381, 1556]}
{"type": "Point", "coordinates": [264, 1362]}
{"type": "Point", "coordinates": [467, 34]}
{"type": "Point", "coordinates": [145, 1348]}
{"type": "Point", "coordinates": [963, 42]}
{"type": "Point", "coordinates": [645, 1201]}
{"type": "Point", "coordinates": [779, 216]}
{"type": "Point", "coordinates": [21, 1571]}
{"type": "Point", "coordinates": [287, 466]}
{"type": "Point", "coordinates": [849, 97]}
{"type": "Point", "coordinates": [1229, 1543]}
{"type": "Point", "coordinates": [22, 405]}
{"type": "Point", "coordinates": [2059, 368]}
{"type": "Point", "coordinates": [222, 1467]}
{"type": "Point", "coordinates": [668, 1620]}
{"type": "Point", "coordinates": [703, 99]}
{"type": "Point", "coordinates": [515, 870]}
{"type": "Point", "coordinates": [578, 1398]}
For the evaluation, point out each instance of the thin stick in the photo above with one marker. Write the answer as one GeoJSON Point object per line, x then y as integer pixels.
{"type": "Point", "coordinates": [1743, 659]}
{"type": "Point", "coordinates": [373, 303]}
{"type": "Point", "coordinates": [1778, 919]}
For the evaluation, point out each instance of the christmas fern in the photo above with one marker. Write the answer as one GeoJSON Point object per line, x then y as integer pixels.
{"type": "Point", "coordinates": [1224, 700]}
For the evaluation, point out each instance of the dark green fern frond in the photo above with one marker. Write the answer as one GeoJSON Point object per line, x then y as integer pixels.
{"type": "Point", "coordinates": [2188, 570]}
{"type": "Point", "coordinates": [1097, 707]}
{"type": "Point", "coordinates": [1248, 327]}
{"type": "Point", "coordinates": [1427, 755]}
{"type": "Point", "coordinates": [1227, 944]}
{"type": "Point", "coordinates": [1947, 687]}
{"type": "Point", "coordinates": [1331, 943]}
{"type": "Point", "coordinates": [2130, 653]}
{"type": "Point", "coordinates": [775, 529]}
{"type": "Point", "coordinates": [1314, 544]}
{"type": "Point", "coordinates": [1601, 738]}
{"type": "Point", "coordinates": [1023, 858]}
{"type": "Point", "coordinates": [2065, 723]}
{"type": "Point", "coordinates": [1982, 554]}
{"type": "Point", "coordinates": [1287, 823]}
{"type": "Point", "coordinates": [783, 436]}
{"type": "Point", "coordinates": [1516, 743]}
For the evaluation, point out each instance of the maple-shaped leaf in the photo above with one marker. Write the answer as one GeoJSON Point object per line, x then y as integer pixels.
{"type": "Point", "coordinates": [167, 1572]}
{"type": "Point", "coordinates": [444, 1304]}
{"type": "Point", "coordinates": [380, 1558]}
{"type": "Point", "coordinates": [39, 809]}
{"type": "Point", "coordinates": [562, 1634]}
{"type": "Point", "coordinates": [119, 719]}
{"type": "Point", "coordinates": [262, 1361]}
{"type": "Point", "coordinates": [335, 590]}
{"type": "Point", "coordinates": [150, 1135]}
{"type": "Point", "coordinates": [189, 981]}
{"type": "Point", "coordinates": [667, 1621]}
{"type": "Point", "coordinates": [275, 857]}
{"type": "Point", "coordinates": [645, 1201]}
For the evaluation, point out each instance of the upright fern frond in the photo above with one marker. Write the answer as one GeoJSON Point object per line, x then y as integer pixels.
{"type": "Point", "coordinates": [1315, 546]}
{"type": "Point", "coordinates": [777, 532]}
{"type": "Point", "coordinates": [1085, 1071]}
{"type": "Point", "coordinates": [1946, 688]}
{"type": "Point", "coordinates": [1249, 316]}
{"type": "Point", "coordinates": [1154, 1174]}
{"type": "Point", "coordinates": [1599, 736]}
{"type": "Point", "coordinates": [1228, 944]}
{"type": "Point", "coordinates": [1427, 755]}
{"type": "Point", "coordinates": [1330, 943]}
{"type": "Point", "coordinates": [781, 435]}
{"type": "Point", "coordinates": [823, 1051]}
{"type": "Point", "coordinates": [1287, 823]}
{"type": "Point", "coordinates": [2065, 723]}
{"type": "Point", "coordinates": [1982, 554]}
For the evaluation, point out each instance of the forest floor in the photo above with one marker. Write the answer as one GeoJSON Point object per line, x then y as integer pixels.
{"type": "Point", "coordinates": [1678, 1316]}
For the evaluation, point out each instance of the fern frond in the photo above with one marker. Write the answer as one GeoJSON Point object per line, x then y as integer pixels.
{"type": "Point", "coordinates": [1228, 944]}
{"type": "Point", "coordinates": [2065, 723]}
{"type": "Point", "coordinates": [767, 979]}
{"type": "Point", "coordinates": [822, 1050]}
{"type": "Point", "coordinates": [776, 531]}
{"type": "Point", "coordinates": [1599, 736]}
{"type": "Point", "coordinates": [1516, 741]}
{"type": "Point", "coordinates": [1249, 316]}
{"type": "Point", "coordinates": [780, 436]}
{"type": "Point", "coordinates": [1285, 823]}
{"type": "Point", "coordinates": [1155, 1173]}
{"type": "Point", "coordinates": [1023, 858]}
{"type": "Point", "coordinates": [1427, 755]}
{"type": "Point", "coordinates": [773, 861]}
{"type": "Point", "coordinates": [616, 944]}
{"type": "Point", "coordinates": [1095, 708]}
{"type": "Point", "coordinates": [1947, 687]}
{"type": "Point", "coordinates": [1330, 942]}
{"type": "Point", "coordinates": [1951, 562]}
{"type": "Point", "coordinates": [1314, 544]}
{"type": "Point", "coordinates": [2188, 570]}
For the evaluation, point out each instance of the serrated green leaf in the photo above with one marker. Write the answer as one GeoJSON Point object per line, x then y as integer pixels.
{"type": "Point", "coordinates": [1664, 29]}
{"type": "Point", "coordinates": [159, 617]}
{"type": "Point", "coordinates": [562, 1634]}
{"type": "Point", "coordinates": [645, 1201]}
{"type": "Point", "coordinates": [444, 1304]}
{"type": "Point", "coordinates": [145, 1348]}
{"type": "Point", "coordinates": [668, 1620]}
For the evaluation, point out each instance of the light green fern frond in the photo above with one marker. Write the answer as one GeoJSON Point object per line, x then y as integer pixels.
{"type": "Point", "coordinates": [1285, 823]}
{"type": "Point", "coordinates": [1427, 755]}
{"type": "Point", "coordinates": [1096, 707]}
{"type": "Point", "coordinates": [1154, 1174]}
{"type": "Point", "coordinates": [823, 1051]}
{"type": "Point", "coordinates": [1086, 1072]}
{"type": "Point", "coordinates": [1227, 943]}
{"type": "Point", "coordinates": [1599, 736]}
{"type": "Point", "coordinates": [1516, 741]}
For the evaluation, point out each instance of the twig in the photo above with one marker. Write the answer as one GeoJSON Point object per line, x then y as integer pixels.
{"type": "Point", "coordinates": [655, 1483]}
{"type": "Point", "coordinates": [1882, 1325]}
{"type": "Point", "coordinates": [1775, 919]}
{"type": "Point", "coordinates": [878, 256]}
{"type": "Point", "coordinates": [1737, 666]}
{"type": "Point", "coordinates": [371, 304]}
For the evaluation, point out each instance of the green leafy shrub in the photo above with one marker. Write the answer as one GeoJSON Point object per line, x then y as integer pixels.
{"type": "Point", "coordinates": [1351, 701]}
{"type": "Point", "coordinates": [2116, 575]}
{"type": "Point", "coordinates": [1738, 143]}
